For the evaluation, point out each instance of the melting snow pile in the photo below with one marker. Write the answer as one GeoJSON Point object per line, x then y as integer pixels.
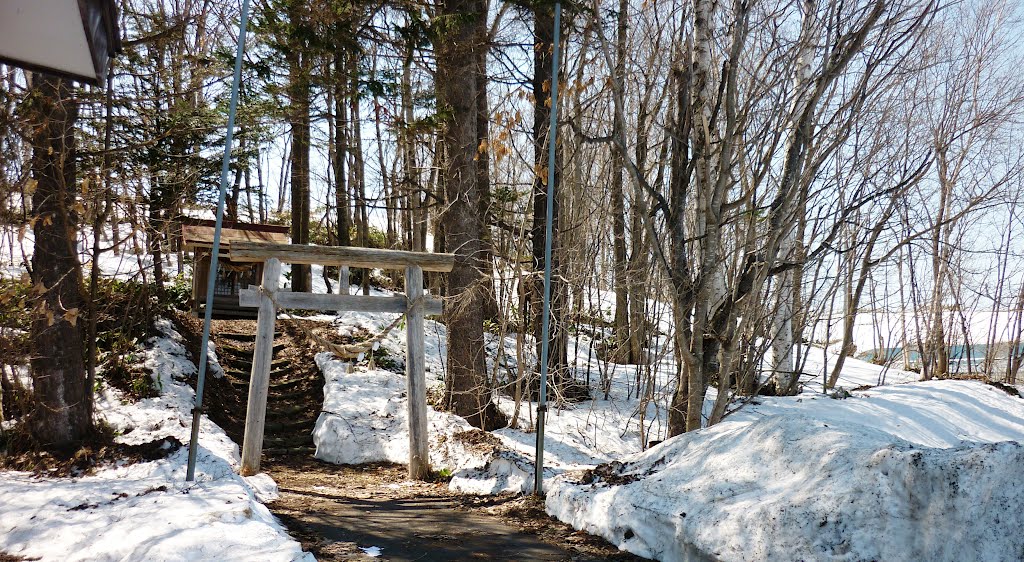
{"type": "Point", "coordinates": [365, 419]}
{"type": "Point", "coordinates": [365, 412]}
{"type": "Point", "coordinates": [147, 511]}
{"type": "Point", "coordinates": [925, 471]}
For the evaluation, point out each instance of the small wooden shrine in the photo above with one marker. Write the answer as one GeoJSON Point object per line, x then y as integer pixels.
{"type": "Point", "coordinates": [232, 277]}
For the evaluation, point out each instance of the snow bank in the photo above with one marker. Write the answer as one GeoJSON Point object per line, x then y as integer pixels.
{"type": "Point", "coordinates": [926, 472]}
{"type": "Point", "coordinates": [147, 511]}
{"type": "Point", "coordinates": [365, 419]}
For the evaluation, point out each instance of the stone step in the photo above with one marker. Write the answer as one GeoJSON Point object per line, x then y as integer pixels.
{"type": "Point", "coordinates": [278, 368]}
{"type": "Point", "coordinates": [303, 424]}
{"type": "Point", "coordinates": [239, 336]}
{"type": "Point", "coordinates": [285, 396]}
{"type": "Point", "coordinates": [283, 412]}
{"type": "Point", "coordinates": [288, 451]}
{"type": "Point", "coordinates": [244, 364]}
{"type": "Point", "coordinates": [287, 442]}
{"type": "Point", "coordinates": [239, 381]}
{"type": "Point", "coordinates": [287, 384]}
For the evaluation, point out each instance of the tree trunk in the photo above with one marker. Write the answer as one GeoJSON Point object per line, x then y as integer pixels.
{"type": "Point", "coordinates": [638, 255]}
{"type": "Point", "coordinates": [298, 93]}
{"type": "Point", "coordinates": [159, 194]}
{"type": "Point", "coordinates": [1015, 353]}
{"type": "Point", "coordinates": [783, 363]}
{"type": "Point", "coordinates": [357, 178]}
{"type": "Point", "coordinates": [5, 397]}
{"type": "Point", "coordinates": [618, 206]}
{"type": "Point", "coordinates": [466, 388]}
{"type": "Point", "coordinates": [679, 188]}
{"type": "Point", "coordinates": [341, 151]}
{"type": "Point", "coordinates": [935, 363]}
{"type": "Point", "coordinates": [231, 205]}
{"type": "Point", "coordinates": [710, 292]}
{"type": "Point", "coordinates": [414, 214]}
{"type": "Point", "coordinates": [60, 419]}
{"type": "Point", "coordinates": [101, 212]}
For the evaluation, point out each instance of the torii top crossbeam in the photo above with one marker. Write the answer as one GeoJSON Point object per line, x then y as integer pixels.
{"type": "Point", "coordinates": [340, 255]}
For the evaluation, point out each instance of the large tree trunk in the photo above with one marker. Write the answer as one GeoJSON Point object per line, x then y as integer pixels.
{"type": "Point", "coordinates": [467, 393]}
{"type": "Point", "coordinates": [60, 419]}
{"type": "Point", "coordinates": [298, 92]}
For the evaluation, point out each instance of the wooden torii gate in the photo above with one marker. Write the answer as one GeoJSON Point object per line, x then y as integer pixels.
{"type": "Point", "coordinates": [413, 304]}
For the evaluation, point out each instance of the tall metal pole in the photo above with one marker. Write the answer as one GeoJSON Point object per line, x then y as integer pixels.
{"type": "Point", "coordinates": [542, 399]}
{"type": "Point", "coordinates": [197, 411]}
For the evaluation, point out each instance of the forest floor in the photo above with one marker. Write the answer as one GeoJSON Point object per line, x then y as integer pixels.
{"type": "Point", "coordinates": [355, 512]}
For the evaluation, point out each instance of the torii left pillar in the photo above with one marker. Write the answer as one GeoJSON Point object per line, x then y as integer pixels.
{"type": "Point", "coordinates": [259, 379]}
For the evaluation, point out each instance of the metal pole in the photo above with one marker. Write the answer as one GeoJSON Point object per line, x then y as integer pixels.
{"type": "Point", "coordinates": [542, 399]}
{"type": "Point", "coordinates": [197, 411]}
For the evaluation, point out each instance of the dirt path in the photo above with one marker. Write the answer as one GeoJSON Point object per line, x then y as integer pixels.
{"type": "Point", "coordinates": [336, 511]}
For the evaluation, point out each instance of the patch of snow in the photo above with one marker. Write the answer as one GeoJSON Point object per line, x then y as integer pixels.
{"type": "Point", "coordinates": [925, 471]}
{"type": "Point", "coordinates": [213, 363]}
{"type": "Point", "coordinates": [263, 486]}
{"type": "Point", "coordinates": [365, 419]}
{"type": "Point", "coordinates": [501, 470]}
{"type": "Point", "coordinates": [372, 551]}
{"type": "Point", "coordinates": [146, 511]}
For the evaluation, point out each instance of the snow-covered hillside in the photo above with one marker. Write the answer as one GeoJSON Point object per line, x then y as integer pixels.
{"type": "Point", "coordinates": [147, 511]}
{"type": "Point", "coordinates": [925, 471]}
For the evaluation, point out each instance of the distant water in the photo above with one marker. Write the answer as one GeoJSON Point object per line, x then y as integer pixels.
{"type": "Point", "coordinates": [959, 355]}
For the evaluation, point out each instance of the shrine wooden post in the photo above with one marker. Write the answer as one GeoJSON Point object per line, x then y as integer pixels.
{"type": "Point", "coordinates": [416, 380]}
{"type": "Point", "coordinates": [259, 380]}
{"type": "Point", "coordinates": [413, 304]}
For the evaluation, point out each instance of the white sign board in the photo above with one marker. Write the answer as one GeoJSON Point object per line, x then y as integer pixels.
{"type": "Point", "coordinates": [73, 38]}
